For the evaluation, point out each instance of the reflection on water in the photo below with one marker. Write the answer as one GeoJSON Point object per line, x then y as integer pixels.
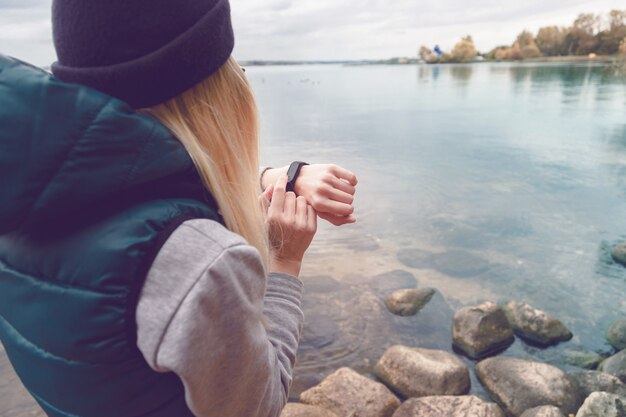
{"type": "Point", "coordinates": [485, 181]}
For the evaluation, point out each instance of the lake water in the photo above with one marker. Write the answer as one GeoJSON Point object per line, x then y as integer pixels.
{"type": "Point", "coordinates": [485, 181]}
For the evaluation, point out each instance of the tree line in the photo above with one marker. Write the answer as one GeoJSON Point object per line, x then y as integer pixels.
{"type": "Point", "coordinates": [589, 34]}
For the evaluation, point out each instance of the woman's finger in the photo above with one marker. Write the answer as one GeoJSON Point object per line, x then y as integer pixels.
{"type": "Point", "coordinates": [278, 195]}
{"type": "Point", "coordinates": [345, 174]}
{"type": "Point", "coordinates": [338, 195]}
{"type": "Point", "coordinates": [337, 220]}
{"type": "Point", "coordinates": [266, 197]}
{"type": "Point", "coordinates": [289, 210]}
{"type": "Point", "coordinates": [335, 208]}
{"type": "Point", "coordinates": [342, 185]}
{"type": "Point", "coordinates": [301, 211]}
{"type": "Point", "coordinates": [311, 218]}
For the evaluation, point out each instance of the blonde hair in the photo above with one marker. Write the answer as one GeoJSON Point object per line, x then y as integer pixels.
{"type": "Point", "coordinates": [217, 123]}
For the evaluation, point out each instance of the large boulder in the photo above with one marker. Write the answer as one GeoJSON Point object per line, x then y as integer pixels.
{"type": "Point", "coordinates": [543, 411]}
{"type": "Point", "coordinates": [481, 330]}
{"type": "Point", "coordinates": [603, 404]}
{"type": "Point", "coordinates": [303, 410]}
{"type": "Point", "coordinates": [618, 253]}
{"type": "Point", "coordinates": [407, 302]}
{"type": "Point", "coordinates": [448, 406]}
{"type": "Point", "coordinates": [415, 372]}
{"type": "Point", "coordinates": [615, 365]}
{"type": "Point", "coordinates": [535, 325]}
{"type": "Point", "coordinates": [595, 381]}
{"type": "Point", "coordinates": [616, 335]}
{"type": "Point", "coordinates": [518, 385]}
{"type": "Point", "coordinates": [348, 394]}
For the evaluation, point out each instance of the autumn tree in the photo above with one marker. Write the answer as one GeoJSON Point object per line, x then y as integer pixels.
{"type": "Point", "coordinates": [608, 40]}
{"type": "Point", "coordinates": [581, 37]}
{"type": "Point", "coordinates": [550, 40]}
{"type": "Point", "coordinates": [424, 52]}
{"type": "Point", "coordinates": [528, 47]}
{"type": "Point", "coordinates": [464, 50]}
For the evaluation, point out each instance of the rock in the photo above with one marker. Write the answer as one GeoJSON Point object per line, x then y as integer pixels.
{"type": "Point", "coordinates": [616, 335]}
{"type": "Point", "coordinates": [448, 406]}
{"type": "Point", "coordinates": [347, 394]}
{"type": "Point", "coordinates": [603, 404]}
{"type": "Point", "coordinates": [582, 358]}
{"type": "Point", "coordinates": [619, 253]}
{"type": "Point", "coordinates": [615, 365]}
{"type": "Point", "coordinates": [408, 302]}
{"type": "Point", "coordinates": [415, 372]}
{"type": "Point", "coordinates": [535, 325]}
{"type": "Point", "coordinates": [518, 385]}
{"type": "Point", "coordinates": [303, 410]}
{"type": "Point", "coordinates": [595, 381]}
{"type": "Point", "coordinates": [481, 330]}
{"type": "Point", "coordinates": [543, 411]}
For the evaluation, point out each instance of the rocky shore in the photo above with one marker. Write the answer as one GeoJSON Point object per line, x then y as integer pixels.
{"type": "Point", "coordinates": [410, 381]}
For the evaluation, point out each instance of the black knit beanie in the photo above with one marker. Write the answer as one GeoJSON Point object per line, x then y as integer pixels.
{"type": "Point", "coordinates": [143, 52]}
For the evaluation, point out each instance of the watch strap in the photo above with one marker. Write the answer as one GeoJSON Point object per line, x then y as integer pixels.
{"type": "Point", "coordinates": [292, 174]}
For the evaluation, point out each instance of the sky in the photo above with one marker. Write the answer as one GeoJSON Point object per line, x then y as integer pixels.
{"type": "Point", "coordinates": [334, 29]}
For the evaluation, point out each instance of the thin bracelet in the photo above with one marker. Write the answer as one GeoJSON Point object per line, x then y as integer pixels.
{"type": "Point", "coordinates": [261, 177]}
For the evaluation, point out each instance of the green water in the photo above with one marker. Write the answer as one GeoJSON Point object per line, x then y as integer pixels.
{"type": "Point", "coordinates": [512, 178]}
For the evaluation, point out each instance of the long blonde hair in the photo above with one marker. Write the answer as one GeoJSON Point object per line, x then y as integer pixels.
{"type": "Point", "coordinates": [217, 123]}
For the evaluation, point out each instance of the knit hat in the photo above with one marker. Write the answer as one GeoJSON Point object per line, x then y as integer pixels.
{"type": "Point", "coordinates": [143, 52]}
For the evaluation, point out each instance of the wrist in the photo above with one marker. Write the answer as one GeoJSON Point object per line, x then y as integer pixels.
{"type": "Point", "coordinates": [285, 266]}
{"type": "Point", "coordinates": [270, 176]}
{"type": "Point", "coordinates": [299, 183]}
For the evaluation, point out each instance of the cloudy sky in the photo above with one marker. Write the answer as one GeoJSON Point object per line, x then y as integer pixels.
{"type": "Point", "coordinates": [334, 29]}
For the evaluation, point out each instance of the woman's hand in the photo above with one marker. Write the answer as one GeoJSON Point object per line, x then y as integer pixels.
{"type": "Point", "coordinates": [328, 188]}
{"type": "Point", "coordinates": [292, 224]}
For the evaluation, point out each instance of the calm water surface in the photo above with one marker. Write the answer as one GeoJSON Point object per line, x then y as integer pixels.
{"type": "Point", "coordinates": [486, 182]}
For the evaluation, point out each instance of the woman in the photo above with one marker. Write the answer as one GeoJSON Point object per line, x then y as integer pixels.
{"type": "Point", "coordinates": [140, 272]}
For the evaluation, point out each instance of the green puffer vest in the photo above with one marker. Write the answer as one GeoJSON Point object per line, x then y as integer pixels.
{"type": "Point", "coordinates": [90, 191]}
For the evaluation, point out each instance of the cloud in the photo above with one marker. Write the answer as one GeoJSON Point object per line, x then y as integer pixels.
{"type": "Point", "coordinates": [334, 29]}
{"type": "Point", "coordinates": [24, 4]}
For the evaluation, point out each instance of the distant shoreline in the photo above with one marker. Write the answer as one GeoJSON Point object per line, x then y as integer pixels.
{"type": "Point", "coordinates": [602, 59]}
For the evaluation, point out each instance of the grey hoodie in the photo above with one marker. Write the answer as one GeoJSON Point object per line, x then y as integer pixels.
{"type": "Point", "coordinates": [200, 315]}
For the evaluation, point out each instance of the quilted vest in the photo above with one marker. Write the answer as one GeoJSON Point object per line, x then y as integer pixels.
{"type": "Point", "coordinates": [90, 190]}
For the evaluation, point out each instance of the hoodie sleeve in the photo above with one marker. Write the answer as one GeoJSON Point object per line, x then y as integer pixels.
{"type": "Point", "coordinates": [208, 313]}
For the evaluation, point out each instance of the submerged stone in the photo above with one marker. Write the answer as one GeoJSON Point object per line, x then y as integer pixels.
{"type": "Point", "coordinates": [455, 263]}
{"type": "Point", "coordinates": [616, 335]}
{"type": "Point", "coordinates": [460, 264]}
{"type": "Point", "coordinates": [535, 325]}
{"type": "Point", "coordinates": [543, 411]}
{"type": "Point", "coordinates": [615, 365]}
{"type": "Point", "coordinates": [408, 302]}
{"type": "Point", "coordinates": [596, 381]}
{"type": "Point", "coordinates": [481, 330]}
{"type": "Point", "coordinates": [618, 253]}
{"type": "Point", "coordinates": [393, 280]}
{"type": "Point", "coordinates": [582, 358]}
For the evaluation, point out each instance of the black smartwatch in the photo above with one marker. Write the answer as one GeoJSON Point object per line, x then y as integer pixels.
{"type": "Point", "coordinates": [292, 174]}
